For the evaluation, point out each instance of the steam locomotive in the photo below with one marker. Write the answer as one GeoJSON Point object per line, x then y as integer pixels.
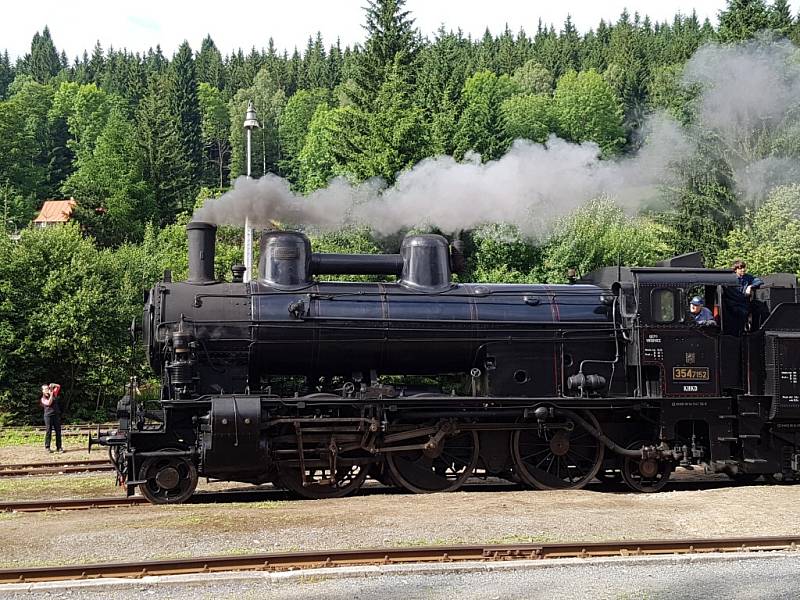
{"type": "Point", "coordinates": [423, 383]}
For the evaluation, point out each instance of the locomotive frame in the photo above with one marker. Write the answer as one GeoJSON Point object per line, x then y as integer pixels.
{"type": "Point", "coordinates": [603, 378]}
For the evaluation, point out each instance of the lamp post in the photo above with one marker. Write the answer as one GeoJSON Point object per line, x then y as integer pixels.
{"type": "Point", "coordinates": [250, 123]}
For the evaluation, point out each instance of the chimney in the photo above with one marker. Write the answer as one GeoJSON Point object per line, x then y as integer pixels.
{"type": "Point", "coordinates": [202, 239]}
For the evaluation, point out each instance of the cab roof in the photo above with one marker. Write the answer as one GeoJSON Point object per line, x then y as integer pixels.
{"type": "Point", "coordinates": [671, 276]}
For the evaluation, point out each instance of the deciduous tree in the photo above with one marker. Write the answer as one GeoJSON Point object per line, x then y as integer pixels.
{"type": "Point", "coordinates": [586, 109]}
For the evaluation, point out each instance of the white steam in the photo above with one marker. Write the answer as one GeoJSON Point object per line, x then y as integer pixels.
{"type": "Point", "coordinates": [749, 98]}
{"type": "Point", "coordinates": [750, 102]}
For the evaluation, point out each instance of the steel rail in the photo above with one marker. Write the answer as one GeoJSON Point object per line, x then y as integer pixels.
{"type": "Point", "coordinates": [392, 556]}
{"type": "Point", "coordinates": [50, 468]}
{"type": "Point", "coordinates": [70, 504]}
{"type": "Point", "coordinates": [69, 427]}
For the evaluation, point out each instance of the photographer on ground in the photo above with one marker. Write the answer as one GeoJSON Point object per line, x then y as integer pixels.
{"type": "Point", "coordinates": [52, 414]}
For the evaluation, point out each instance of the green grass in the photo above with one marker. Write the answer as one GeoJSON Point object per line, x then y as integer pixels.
{"type": "Point", "coordinates": [20, 437]}
{"type": "Point", "coordinates": [190, 515]}
{"type": "Point", "coordinates": [78, 486]}
{"type": "Point", "coordinates": [426, 542]}
{"type": "Point", "coordinates": [31, 437]}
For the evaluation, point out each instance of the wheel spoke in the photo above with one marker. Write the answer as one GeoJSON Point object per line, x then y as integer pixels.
{"type": "Point", "coordinates": [579, 456]}
{"type": "Point", "coordinates": [542, 451]}
{"type": "Point", "coordinates": [420, 473]}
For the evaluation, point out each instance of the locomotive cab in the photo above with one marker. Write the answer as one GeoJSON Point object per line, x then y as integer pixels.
{"type": "Point", "coordinates": [722, 389]}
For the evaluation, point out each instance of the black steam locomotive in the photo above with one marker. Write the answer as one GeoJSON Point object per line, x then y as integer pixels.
{"type": "Point", "coordinates": [316, 385]}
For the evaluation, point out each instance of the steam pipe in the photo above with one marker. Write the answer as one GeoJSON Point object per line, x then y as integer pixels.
{"type": "Point", "coordinates": [356, 264]}
{"type": "Point", "coordinates": [602, 437]}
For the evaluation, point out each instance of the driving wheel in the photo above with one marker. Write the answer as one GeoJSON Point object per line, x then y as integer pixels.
{"type": "Point", "coordinates": [318, 482]}
{"type": "Point", "coordinates": [560, 455]}
{"type": "Point", "coordinates": [440, 467]}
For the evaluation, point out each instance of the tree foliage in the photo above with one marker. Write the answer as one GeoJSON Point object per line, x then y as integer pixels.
{"type": "Point", "coordinates": [392, 42]}
{"type": "Point", "coordinates": [59, 319]}
{"type": "Point", "coordinates": [601, 234]}
{"type": "Point", "coordinates": [528, 116]}
{"type": "Point", "coordinates": [215, 126]}
{"type": "Point", "coordinates": [166, 170]}
{"type": "Point", "coordinates": [769, 238]}
{"type": "Point", "coordinates": [586, 109]}
{"type": "Point", "coordinates": [481, 128]}
{"type": "Point", "coordinates": [742, 19]}
{"type": "Point", "coordinates": [182, 90]}
{"type": "Point", "coordinates": [295, 120]}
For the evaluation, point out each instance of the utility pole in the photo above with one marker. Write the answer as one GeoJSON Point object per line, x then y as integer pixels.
{"type": "Point", "coordinates": [250, 123]}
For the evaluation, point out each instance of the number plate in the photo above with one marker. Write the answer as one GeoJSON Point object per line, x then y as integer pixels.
{"type": "Point", "coordinates": [691, 373]}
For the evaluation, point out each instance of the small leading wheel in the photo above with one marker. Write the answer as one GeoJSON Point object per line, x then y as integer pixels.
{"type": "Point", "coordinates": [318, 482]}
{"type": "Point", "coordinates": [443, 467]}
{"type": "Point", "coordinates": [560, 458]}
{"type": "Point", "coordinates": [167, 479]}
{"type": "Point", "coordinates": [648, 475]}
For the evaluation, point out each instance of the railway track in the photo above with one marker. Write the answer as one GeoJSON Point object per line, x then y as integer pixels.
{"type": "Point", "coordinates": [393, 556]}
{"type": "Point", "coordinates": [79, 429]}
{"type": "Point", "coordinates": [277, 494]}
{"type": "Point", "coordinates": [50, 468]}
{"type": "Point", "coordinates": [38, 428]}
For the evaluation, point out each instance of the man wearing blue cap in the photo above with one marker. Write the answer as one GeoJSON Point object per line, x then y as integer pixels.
{"type": "Point", "coordinates": [702, 316]}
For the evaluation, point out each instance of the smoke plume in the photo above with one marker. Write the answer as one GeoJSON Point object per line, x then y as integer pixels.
{"type": "Point", "coordinates": [748, 103]}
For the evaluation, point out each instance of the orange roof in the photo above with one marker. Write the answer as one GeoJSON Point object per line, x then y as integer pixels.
{"type": "Point", "coordinates": [56, 211]}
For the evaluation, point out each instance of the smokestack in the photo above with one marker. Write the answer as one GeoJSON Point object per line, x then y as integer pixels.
{"type": "Point", "coordinates": [202, 240]}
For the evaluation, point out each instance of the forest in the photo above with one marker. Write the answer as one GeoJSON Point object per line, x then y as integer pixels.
{"type": "Point", "coordinates": [630, 142]}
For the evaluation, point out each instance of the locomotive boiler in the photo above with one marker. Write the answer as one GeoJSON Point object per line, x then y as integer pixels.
{"type": "Point", "coordinates": [423, 382]}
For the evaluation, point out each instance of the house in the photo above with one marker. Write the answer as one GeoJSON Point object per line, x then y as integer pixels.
{"type": "Point", "coordinates": [55, 212]}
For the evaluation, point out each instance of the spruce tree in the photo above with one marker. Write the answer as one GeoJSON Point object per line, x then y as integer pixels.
{"type": "Point", "coordinates": [97, 65]}
{"type": "Point", "coordinates": [398, 137]}
{"type": "Point", "coordinates": [209, 65]}
{"type": "Point", "coordinates": [164, 164]}
{"type": "Point", "coordinates": [315, 67]}
{"type": "Point", "coordinates": [742, 19]}
{"type": "Point", "coordinates": [134, 80]}
{"type": "Point", "coordinates": [335, 64]}
{"type": "Point", "coordinates": [237, 73]}
{"type": "Point", "coordinates": [6, 74]}
{"type": "Point", "coordinates": [780, 17]}
{"type": "Point", "coordinates": [392, 40]}
{"type": "Point", "coordinates": [480, 127]}
{"type": "Point", "coordinates": [155, 62]}
{"type": "Point", "coordinates": [569, 43]}
{"type": "Point", "coordinates": [44, 61]}
{"type": "Point", "coordinates": [186, 110]}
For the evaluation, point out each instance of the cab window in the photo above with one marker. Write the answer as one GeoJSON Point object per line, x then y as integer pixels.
{"type": "Point", "coordinates": [662, 306]}
{"type": "Point", "coordinates": [628, 305]}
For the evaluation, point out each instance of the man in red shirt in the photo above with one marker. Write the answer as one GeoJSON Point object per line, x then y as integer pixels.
{"type": "Point", "coordinates": [52, 414]}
